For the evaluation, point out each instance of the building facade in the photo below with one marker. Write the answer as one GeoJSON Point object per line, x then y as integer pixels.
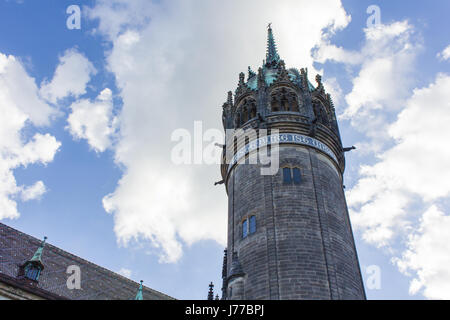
{"type": "Point", "coordinates": [31, 269]}
{"type": "Point", "coordinates": [289, 233]}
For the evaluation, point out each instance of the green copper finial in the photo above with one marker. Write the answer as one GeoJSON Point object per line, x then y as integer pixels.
{"type": "Point", "coordinates": [38, 254]}
{"type": "Point", "coordinates": [251, 73]}
{"type": "Point", "coordinates": [272, 54]}
{"type": "Point", "coordinates": [139, 293]}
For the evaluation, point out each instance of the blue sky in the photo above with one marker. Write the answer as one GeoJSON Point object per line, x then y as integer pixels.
{"type": "Point", "coordinates": [138, 70]}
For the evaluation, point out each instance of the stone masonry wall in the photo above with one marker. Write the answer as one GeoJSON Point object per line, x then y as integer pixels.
{"type": "Point", "coordinates": [303, 247]}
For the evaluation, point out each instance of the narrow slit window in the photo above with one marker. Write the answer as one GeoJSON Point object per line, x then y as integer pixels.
{"type": "Point", "coordinates": [296, 175]}
{"type": "Point", "coordinates": [287, 177]}
{"type": "Point", "coordinates": [244, 229]}
{"type": "Point", "coordinates": [252, 224]}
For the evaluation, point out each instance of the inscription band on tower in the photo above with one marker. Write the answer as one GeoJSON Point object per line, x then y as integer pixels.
{"type": "Point", "coordinates": [289, 138]}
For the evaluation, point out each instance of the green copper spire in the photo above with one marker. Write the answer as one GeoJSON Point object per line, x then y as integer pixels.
{"type": "Point", "coordinates": [272, 54]}
{"type": "Point", "coordinates": [32, 268]}
{"type": "Point", "coordinates": [139, 293]}
{"type": "Point", "coordinates": [38, 254]}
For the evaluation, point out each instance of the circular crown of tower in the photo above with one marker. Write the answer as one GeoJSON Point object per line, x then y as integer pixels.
{"type": "Point", "coordinates": [279, 98]}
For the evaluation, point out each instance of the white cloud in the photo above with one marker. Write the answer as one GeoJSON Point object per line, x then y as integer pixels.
{"type": "Point", "coordinates": [71, 77]}
{"type": "Point", "coordinates": [93, 121]}
{"type": "Point", "coordinates": [428, 256]}
{"type": "Point", "coordinates": [21, 107]}
{"type": "Point", "coordinates": [415, 168]}
{"type": "Point", "coordinates": [125, 272]}
{"type": "Point", "coordinates": [20, 91]}
{"type": "Point", "coordinates": [174, 62]}
{"type": "Point", "coordinates": [334, 89]}
{"type": "Point", "coordinates": [33, 192]}
{"type": "Point", "coordinates": [40, 148]}
{"type": "Point", "coordinates": [328, 52]}
{"type": "Point", "coordinates": [445, 54]}
{"type": "Point", "coordinates": [407, 131]}
{"type": "Point", "coordinates": [388, 59]}
{"type": "Point", "coordinates": [384, 66]}
{"type": "Point", "coordinates": [417, 165]}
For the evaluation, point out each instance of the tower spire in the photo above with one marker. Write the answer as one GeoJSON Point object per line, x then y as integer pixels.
{"type": "Point", "coordinates": [139, 293]}
{"type": "Point", "coordinates": [272, 54]}
{"type": "Point", "coordinates": [211, 291]}
{"type": "Point", "coordinates": [38, 254]}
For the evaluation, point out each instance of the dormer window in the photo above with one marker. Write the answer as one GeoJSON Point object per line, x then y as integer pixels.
{"type": "Point", "coordinates": [32, 272]}
{"type": "Point", "coordinates": [32, 268]}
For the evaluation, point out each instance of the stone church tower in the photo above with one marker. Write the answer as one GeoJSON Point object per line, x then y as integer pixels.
{"type": "Point", "coordinates": [289, 234]}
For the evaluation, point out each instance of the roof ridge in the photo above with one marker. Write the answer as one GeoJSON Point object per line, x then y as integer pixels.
{"type": "Point", "coordinates": [97, 267]}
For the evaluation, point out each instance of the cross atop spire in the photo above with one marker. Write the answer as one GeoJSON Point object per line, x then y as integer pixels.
{"type": "Point", "coordinates": [272, 54]}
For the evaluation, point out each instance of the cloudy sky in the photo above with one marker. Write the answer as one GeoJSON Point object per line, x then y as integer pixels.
{"type": "Point", "coordinates": [87, 117]}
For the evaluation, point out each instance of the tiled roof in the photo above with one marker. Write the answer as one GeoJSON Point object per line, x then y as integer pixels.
{"type": "Point", "coordinates": [97, 283]}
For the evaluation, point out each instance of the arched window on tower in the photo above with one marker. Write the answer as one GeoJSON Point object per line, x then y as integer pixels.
{"type": "Point", "coordinates": [296, 175]}
{"type": "Point", "coordinates": [284, 103]}
{"type": "Point", "coordinates": [320, 113]}
{"type": "Point", "coordinates": [292, 175]}
{"type": "Point", "coordinates": [248, 226]}
{"type": "Point", "coordinates": [252, 225]}
{"type": "Point", "coordinates": [247, 110]}
{"type": "Point", "coordinates": [287, 176]}
{"type": "Point", "coordinates": [253, 110]}
{"type": "Point", "coordinates": [275, 104]}
{"type": "Point", "coordinates": [284, 99]}
{"type": "Point", "coordinates": [293, 102]}
{"type": "Point", "coordinates": [244, 117]}
{"type": "Point", "coordinates": [237, 120]}
{"type": "Point", "coordinates": [245, 228]}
